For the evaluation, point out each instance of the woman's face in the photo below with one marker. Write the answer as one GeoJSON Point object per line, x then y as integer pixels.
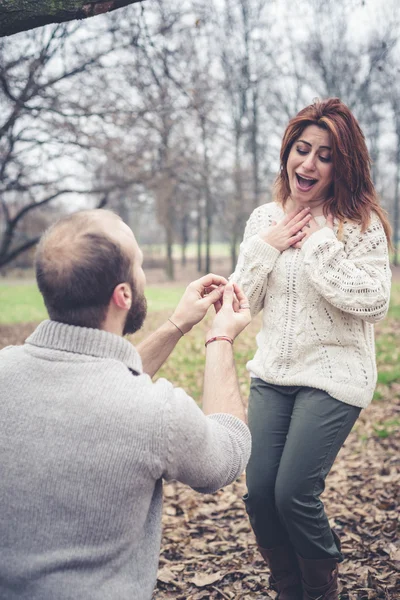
{"type": "Point", "coordinates": [309, 166]}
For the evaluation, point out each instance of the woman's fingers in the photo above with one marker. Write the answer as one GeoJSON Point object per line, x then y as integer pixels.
{"type": "Point", "coordinates": [289, 217]}
{"type": "Point", "coordinates": [300, 224]}
{"type": "Point", "coordinates": [294, 217]}
{"type": "Point", "coordinates": [296, 238]}
{"type": "Point", "coordinates": [217, 305]}
{"type": "Point", "coordinates": [241, 297]}
{"type": "Point", "coordinates": [300, 217]}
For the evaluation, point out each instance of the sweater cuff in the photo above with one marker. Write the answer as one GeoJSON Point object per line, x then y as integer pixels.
{"type": "Point", "coordinates": [318, 237]}
{"type": "Point", "coordinates": [262, 251]}
{"type": "Point", "coordinates": [240, 431]}
{"type": "Point", "coordinates": [234, 424]}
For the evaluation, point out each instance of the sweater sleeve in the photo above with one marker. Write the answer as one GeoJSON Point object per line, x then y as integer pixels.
{"type": "Point", "coordinates": [354, 277]}
{"type": "Point", "coordinates": [256, 260]}
{"type": "Point", "coordinates": [204, 452]}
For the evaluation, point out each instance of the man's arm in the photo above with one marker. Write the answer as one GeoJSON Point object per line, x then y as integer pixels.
{"type": "Point", "coordinates": [192, 308]}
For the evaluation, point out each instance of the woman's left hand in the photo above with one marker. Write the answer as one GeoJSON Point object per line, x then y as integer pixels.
{"type": "Point", "coordinates": [311, 227]}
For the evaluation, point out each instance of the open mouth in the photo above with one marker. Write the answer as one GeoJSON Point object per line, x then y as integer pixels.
{"type": "Point", "coordinates": [304, 183]}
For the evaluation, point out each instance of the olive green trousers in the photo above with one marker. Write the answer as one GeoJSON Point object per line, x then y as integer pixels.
{"type": "Point", "coordinates": [297, 433]}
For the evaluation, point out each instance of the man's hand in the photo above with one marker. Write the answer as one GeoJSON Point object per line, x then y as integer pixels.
{"type": "Point", "coordinates": [197, 299]}
{"type": "Point", "coordinates": [233, 315]}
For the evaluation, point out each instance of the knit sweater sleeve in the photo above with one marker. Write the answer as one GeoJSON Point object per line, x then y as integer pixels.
{"type": "Point", "coordinates": [256, 259]}
{"type": "Point", "coordinates": [204, 452]}
{"type": "Point", "coordinates": [354, 277]}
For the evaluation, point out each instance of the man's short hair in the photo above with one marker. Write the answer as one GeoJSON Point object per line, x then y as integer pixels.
{"type": "Point", "coordinates": [78, 267]}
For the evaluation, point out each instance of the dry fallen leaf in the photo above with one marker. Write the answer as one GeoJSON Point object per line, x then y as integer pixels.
{"type": "Point", "coordinates": [201, 580]}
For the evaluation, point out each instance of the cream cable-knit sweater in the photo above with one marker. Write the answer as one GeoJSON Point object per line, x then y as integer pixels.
{"type": "Point", "coordinates": [319, 305]}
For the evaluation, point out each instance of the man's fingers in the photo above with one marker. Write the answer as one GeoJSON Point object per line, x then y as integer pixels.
{"type": "Point", "coordinates": [212, 297]}
{"type": "Point", "coordinates": [209, 289]}
{"type": "Point", "coordinates": [209, 280]}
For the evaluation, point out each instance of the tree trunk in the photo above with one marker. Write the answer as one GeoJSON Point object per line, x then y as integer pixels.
{"type": "Point", "coordinates": [206, 181]}
{"type": "Point", "coordinates": [254, 149]}
{"type": "Point", "coordinates": [170, 260]}
{"type": "Point", "coordinates": [396, 207]}
{"type": "Point", "coordinates": [374, 141]}
{"type": "Point", "coordinates": [184, 240]}
{"type": "Point", "coordinates": [238, 210]}
{"type": "Point", "coordinates": [20, 15]}
{"type": "Point", "coordinates": [199, 236]}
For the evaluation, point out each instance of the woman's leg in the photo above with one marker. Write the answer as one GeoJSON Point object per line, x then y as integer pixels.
{"type": "Point", "coordinates": [270, 409]}
{"type": "Point", "coordinates": [319, 426]}
{"type": "Point", "coordinates": [269, 415]}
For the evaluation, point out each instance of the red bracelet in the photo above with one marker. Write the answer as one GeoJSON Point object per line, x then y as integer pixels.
{"type": "Point", "coordinates": [219, 337]}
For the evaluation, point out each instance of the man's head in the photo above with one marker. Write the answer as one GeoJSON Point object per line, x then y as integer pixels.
{"type": "Point", "coordinates": [89, 271]}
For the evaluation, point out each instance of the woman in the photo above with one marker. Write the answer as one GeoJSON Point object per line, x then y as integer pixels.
{"type": "Point", "coordinates": [315, 260]}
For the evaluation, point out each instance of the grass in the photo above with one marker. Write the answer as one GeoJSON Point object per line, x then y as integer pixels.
{"type": "Point", "coordinates": [387, 428]}
{"type": "Point", "coordinates": [217, 249]}
{"type": "Point", "coordinates": [394, 309]}
{"type": "Point", "coordinates": [22, 303]}
{"type": "Point", "coordinates": [388, 346]}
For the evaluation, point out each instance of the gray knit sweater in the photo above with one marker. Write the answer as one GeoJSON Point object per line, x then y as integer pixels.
{"type": "Point", "coordinates": [85, 440]}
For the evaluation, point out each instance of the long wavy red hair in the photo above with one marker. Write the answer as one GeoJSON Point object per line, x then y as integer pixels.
{"type": "Point", "coordinates": [353, 196]}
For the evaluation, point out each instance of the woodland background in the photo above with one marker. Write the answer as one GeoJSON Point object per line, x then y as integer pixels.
{"type": "Point", "coordinates": [171, 113]}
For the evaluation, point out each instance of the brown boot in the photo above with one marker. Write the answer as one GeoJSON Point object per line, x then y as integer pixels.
{"type": "Point", "coordinates": [285, 574]}
{"type": "Point", "coordinates": [319, 578]}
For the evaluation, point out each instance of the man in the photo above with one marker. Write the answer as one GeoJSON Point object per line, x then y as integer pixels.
{"type": "Point", "coordinates": [86, 437]}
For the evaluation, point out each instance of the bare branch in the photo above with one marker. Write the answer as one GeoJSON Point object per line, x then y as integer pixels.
{"type": "Point", "coordinates": [7, 258]}
{"type": "Point", "coordinates": [20, 15]}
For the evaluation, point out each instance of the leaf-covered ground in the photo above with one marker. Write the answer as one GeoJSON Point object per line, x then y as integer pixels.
{"type": "Point", "coordinates": [208, 550]}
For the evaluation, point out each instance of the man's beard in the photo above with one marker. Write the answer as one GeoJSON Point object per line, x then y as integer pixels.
{"type": "Point", "coordinates": [136, 314]}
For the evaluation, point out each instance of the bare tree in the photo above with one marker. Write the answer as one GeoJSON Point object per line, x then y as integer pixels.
{"type": "Point", "coordinates": [48, 121]}
{"type": "Point", "coordinates": [392, 92]}
{"type": "Point", "coordinates": [158, 71]}
{"type": "Point", "coordinates": [246, 50]}
{"type": "Point", "coordinates": [361, 72]}
{"type": "Point", "coordinates": [339, 64]}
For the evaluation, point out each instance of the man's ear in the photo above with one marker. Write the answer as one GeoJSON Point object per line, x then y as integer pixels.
{"type": "Point", "coordinates": [122, 296]}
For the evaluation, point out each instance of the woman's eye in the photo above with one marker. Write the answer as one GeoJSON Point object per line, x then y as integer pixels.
{"type": "Point", "coordinates": [325, 158]}
{"type": "Point", "coordinates": [301, 151]}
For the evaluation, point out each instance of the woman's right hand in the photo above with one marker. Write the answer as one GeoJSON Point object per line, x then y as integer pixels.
{"type": "Point", "coordinates": [287, 232]}
{"type": "Point", "coordinates": [233, 313]}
